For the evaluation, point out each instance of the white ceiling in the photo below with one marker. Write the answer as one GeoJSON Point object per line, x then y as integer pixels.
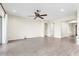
{"type": "Point", "coordinates": [52, 9]}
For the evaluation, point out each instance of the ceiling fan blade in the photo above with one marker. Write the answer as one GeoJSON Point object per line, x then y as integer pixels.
{"type": "Point", "coordinates": [35, 17]}
{"type": "Point", "coordinates": [35, 13]}
{"type": "Point", "coordinates": [40, 17]}
{"type": "Point", "coordinates": [43, 15]}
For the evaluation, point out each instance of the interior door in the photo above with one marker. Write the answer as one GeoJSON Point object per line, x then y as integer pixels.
{"type": "Point", "coordinates": [0, 30]}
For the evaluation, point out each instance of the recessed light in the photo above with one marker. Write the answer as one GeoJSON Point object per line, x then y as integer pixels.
{"type": "Point", "coordinates": [14, 10]}
{"type": "Point", "coordinates": [62, 10]}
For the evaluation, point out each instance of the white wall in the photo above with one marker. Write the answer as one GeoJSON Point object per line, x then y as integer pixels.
{"type": "Point", "coordinates": [49, 29]}
{"type": "Point", "coordinates": [57, 29]}
{"type": "Point", "coordinates": [63, 29]}
{"type": "Point", "coordinates": [60, 29]}
{"type": "Point", "coordinates": [73, 28]}
{"type": "Point", "coordinates": [18, 28]}
{"type": "Point", "coordinates": [66, 29]}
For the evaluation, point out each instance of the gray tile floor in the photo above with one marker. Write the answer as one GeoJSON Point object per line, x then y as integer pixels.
{"type": "Point", "coordinates": [41, 47]}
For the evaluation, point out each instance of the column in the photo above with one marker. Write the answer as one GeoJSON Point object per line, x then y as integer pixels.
{"type": "Point", "coordinates": [4, 29]}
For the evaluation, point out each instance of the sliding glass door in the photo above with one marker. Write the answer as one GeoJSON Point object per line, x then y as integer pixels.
{"type": "Point", "coordinates": [0, 30]}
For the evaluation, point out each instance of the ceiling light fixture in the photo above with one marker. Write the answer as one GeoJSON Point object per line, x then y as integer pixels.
{"type": "Point", "coordinates": [14, 10]}
{"type": "Point", "coordinates": [62, 10]}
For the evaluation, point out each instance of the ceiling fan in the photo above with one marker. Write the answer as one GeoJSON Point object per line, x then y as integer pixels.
{"type": "Point", "coordinates": [38, 15]}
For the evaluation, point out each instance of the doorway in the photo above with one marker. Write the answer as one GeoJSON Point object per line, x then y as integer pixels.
{"type": "Point", "coordinates": [45, 29]}
{"type": "Point", "coordinates": [76, 29]}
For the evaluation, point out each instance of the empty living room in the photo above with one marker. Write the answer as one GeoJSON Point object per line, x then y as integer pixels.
{"type": "Point", "coordinates": [39, 29]}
